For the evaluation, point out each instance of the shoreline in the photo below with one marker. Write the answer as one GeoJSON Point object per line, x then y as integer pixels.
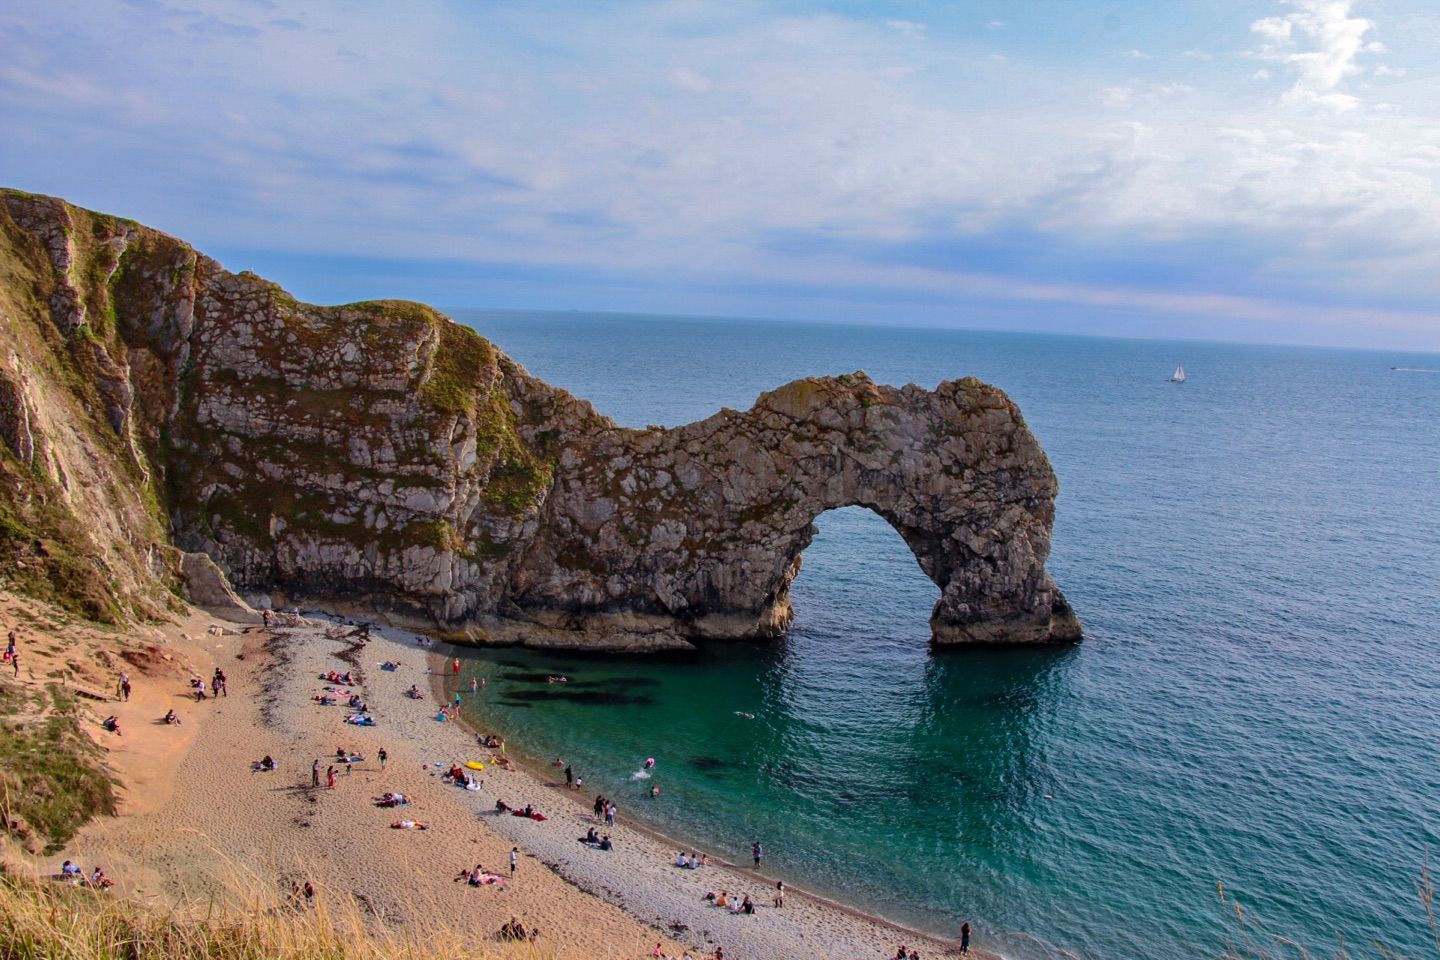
{"type": "Point", "coordinates": [201, 826]}
{"type": "Point", "coordinates": [441, 656]}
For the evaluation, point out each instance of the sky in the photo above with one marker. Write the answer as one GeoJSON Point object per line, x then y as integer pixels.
{"type": "Point", "coordinates": [1256, 170]}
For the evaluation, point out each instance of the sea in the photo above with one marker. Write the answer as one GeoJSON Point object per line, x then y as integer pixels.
{"type": "Point", "coordinates": [1244, 747]}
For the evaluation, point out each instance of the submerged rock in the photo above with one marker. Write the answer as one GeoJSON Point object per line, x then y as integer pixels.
{"type": "Point", "coordinates": [377, 457]}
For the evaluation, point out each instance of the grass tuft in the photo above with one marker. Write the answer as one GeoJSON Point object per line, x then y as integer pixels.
{"type": "Point", "coordinates": [59, 921]}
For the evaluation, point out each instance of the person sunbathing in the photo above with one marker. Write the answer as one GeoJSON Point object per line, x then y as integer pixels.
{"type": "Point", "coordinates": [112, 724]}
{"type": "Point", "coordinates": [408, 825]}
{"type": "Point", "coordinates": [266, 764]}
{"type": "Point", "coordinates": [515, 930]}
{"type": "Point", "coordinates": [172, 719]}
{"type": "Point", "coordinates": [414, 693]}
{"type": "Point", "coordinates": [392, 799]}
{"type": "Point", "coordinates": [501, 806]}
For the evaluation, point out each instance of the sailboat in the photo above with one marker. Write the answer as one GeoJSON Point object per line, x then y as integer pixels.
{"type": "Point", "coordinates": [1178, 376]}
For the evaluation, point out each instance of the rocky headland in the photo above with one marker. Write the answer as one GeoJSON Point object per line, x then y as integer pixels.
{"type": "Point", "coordinates": [378, 458]}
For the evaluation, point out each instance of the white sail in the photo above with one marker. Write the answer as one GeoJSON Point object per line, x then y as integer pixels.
{"type": "Point", "coordinates": [1179, 376]}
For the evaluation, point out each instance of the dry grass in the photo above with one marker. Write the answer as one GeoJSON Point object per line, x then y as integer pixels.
{"type": "Point", "coordinates": [52, 920]}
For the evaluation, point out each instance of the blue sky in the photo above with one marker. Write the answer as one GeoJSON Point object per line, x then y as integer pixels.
{"type": "Point", "coordinates": [1235, 169]}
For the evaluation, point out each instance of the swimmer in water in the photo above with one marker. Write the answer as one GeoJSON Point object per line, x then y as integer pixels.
{"type": "Point", "coordinates": [649, 763]}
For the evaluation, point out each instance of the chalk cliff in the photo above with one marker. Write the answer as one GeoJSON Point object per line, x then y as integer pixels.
{"type": "Point", "coordinates": [378, 457]}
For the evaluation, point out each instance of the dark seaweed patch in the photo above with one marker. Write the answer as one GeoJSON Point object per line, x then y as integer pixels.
{"type": "Point", "coordinates": [708, 763]}
{"type": "Point", "coordinates": [622, 683]}
{"type": "Point", "coordinates": [553, 692]}
{"type": "Point", "coordinates": [509, 702]}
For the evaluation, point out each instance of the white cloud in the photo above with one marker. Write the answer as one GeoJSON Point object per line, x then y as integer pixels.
{"type": "Point", "coordinates": [1388, 71]}
{"type": "Point", "coordinates": [1199, 55]}
{"type": "Point", "coordinates": [1117, 97]}
{"type": "Point", "coordinates": [687, 79]}
{"type": "Point", "coordinates": [995, 25]}
{"type": "Point", "coordinates": [909, 28]}
{"type": "Point", "coordinates": [1333, 40]}
{"type": "Point", "coordinates": [1134, 54]}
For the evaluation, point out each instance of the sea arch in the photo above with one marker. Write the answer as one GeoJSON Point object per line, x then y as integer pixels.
{"type": "Point", "coordinates": [699, 530]}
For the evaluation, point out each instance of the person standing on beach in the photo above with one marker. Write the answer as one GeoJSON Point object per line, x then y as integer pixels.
{"type": "Point", "coordinates": [383, 755]}
{"type": "Point", "coordinates": [757, 853]}
{"type": "Point", "coordinates": [456, 666]}
{"type": "Point", "coordinates": [569, 776]}
{"type": "Point", "coordinates": [779, 900]}
{"type": "Point", "coordinates": [122, 686]}
{"type": "Point", "coordinates": [514, 859]}
{"type": "Point", "coordinates": [965, 937]}
{"type": "Point", "coordinates": [610, 815]}
{"type": "Point", "coordinates": [15, 662]}
{"type": "Point", "coordinates": [315, 773]}
{"type": "Point", "coordinates": [474, 685]}
{"type": "Point", "coordinates": [330, 777]}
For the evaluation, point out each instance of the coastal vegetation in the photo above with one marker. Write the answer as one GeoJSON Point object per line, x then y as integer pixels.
{"type": "Point", "coordinates": [58, 921]}
{"type": "Point", "coordinates": [52, 778]}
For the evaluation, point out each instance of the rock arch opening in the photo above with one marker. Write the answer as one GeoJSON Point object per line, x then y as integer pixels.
{"type": "Point", "coordinates": [858, 569]}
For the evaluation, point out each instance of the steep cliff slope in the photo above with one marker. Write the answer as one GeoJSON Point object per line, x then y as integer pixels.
{"type": "Point", "coordinates": [377, 456]}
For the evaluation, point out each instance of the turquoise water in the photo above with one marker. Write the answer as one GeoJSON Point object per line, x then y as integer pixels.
{"type": "Point", "coordinates": [1254, 555]}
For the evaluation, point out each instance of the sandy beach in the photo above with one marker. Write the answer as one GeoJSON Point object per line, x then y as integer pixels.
{"type": "Point", "coordinates": [197, 823]}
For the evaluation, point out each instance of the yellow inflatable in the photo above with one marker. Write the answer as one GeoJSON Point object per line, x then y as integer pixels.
{"type": "Point", "coordinates": [475, 765]}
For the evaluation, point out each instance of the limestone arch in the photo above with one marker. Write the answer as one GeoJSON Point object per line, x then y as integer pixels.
{"type": "Point", "coordinates": [703, 526]}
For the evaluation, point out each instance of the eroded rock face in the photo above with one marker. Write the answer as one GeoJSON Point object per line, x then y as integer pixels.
{"type": "Point", "coordinates": [377, 456]}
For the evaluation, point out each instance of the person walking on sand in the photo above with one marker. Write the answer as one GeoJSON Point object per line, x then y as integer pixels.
{"type": "Point", "coordinates": [122, 686]}
{"type": "Point", "coordinates": [315, 773]}
{"type": "Point", "coordinates": [456, 666]}
{"type": "Point", "coordinates": [514, 859]}
{"type": "Point", "coordinates": [965, 937]}
{"type": "Point", "coordinates": [383, 755]}
{"type": "Point", "coordinates": [330, 777]}
{"type": "Point", "coordinates": [779, 899]}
